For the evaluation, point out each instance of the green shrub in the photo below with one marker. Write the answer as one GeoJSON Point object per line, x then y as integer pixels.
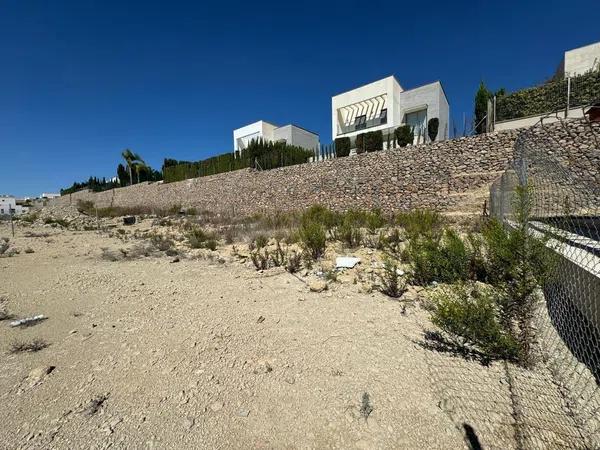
{"type": "Point", "coordinates": [432, 128]}
{"type": "Point", "coordinates": [85, 207]}
{"type": "Point", "coordinates": [260, 259]}
{"type": "Point", "coordinates": [375, 220]}
{"type": "Point", "coordinates": [342, 146]}
{"type": "Point", "coordinates": [420, 222]}
{"type": "Point", "coordinates": [404, 136]}
{"type": "Point", "coordinates": [438, 258]}
{"type": "Point", "coordinates": [313, 239]}
{"type": "Point", "coordinates": [470, 316]}
{"type": "Point", "coordinates": [348, 233]}
{"type": "Point", "coordinates": [260, 241]}
{"type": "Point", "coordinates": [391, 282]}
{"type": "Point", "coordinates": [198, 238]}
{"type": "Point", "coordinates": [294, 262]}
{"type": "Point", "coordinates": [360, 143]}
{"type": "Point", "coordinates": [373, 141]}
{"type": "Point", "coordinates": [321, 215]}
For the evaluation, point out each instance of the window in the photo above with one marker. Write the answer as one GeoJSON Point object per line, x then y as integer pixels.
{"type": "Point", "coordinates": [417, 120]}
{"type": "Point", "coordinates": [383, 116]}
{"type": "Point", "coordinates": [360, 123]}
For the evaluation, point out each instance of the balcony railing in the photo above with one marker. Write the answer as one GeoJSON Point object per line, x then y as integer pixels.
{"type": "Point", "coordinates": [375, 122]}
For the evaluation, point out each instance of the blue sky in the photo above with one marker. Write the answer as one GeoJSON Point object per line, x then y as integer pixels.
{"type": "Point", "coordinates": [82, 80]}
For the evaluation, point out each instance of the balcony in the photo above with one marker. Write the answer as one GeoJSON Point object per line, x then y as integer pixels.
{"type": "Point", "coordinates": [361, 123]}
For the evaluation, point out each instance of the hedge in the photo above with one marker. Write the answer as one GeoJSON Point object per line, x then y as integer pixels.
{"type": "Point", "coordinates": [548, 97]}
{"type": "Point", "coordinates": [342, 146]}
{"type": "Point", "coordinates": [267, 155]}
{"type": "Point", "coordinates": [371, 141]}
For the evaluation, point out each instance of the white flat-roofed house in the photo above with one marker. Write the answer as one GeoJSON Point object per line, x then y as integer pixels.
{"type": "Point", "coordinates": [8, 205]}
{"type": "Point", "coordinates": [385, 105]}
{"type": "Point", "coordinates": [49, 195]}
{"type": "Point", "coordinates": [291, 134]}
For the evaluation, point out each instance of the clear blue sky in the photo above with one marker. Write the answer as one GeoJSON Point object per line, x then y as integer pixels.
{"type": "Point", "coordinates": [81, 80]}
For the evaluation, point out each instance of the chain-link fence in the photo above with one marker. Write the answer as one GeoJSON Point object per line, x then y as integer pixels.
{"type": "Point", "coordinates": [560, 165]}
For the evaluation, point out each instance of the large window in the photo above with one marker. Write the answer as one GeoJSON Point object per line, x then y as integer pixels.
{"type": "Point", "coordinates": [383, 116]}
{"type": "Point", "coordinates": [417, 120]}
{"type": "Point", "coordinates": [360, 123]}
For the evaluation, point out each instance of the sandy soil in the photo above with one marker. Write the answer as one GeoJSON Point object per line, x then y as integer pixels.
{"type": "Point", "coordinates": [200, 354]}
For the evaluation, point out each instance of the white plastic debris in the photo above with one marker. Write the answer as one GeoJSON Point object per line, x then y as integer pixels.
{"type": "Point", "coordinates": [346, 262]}
{"type": "Point", "coordinates": [27, 320]}
{"type": "Point", "coordinates": [400, 272]}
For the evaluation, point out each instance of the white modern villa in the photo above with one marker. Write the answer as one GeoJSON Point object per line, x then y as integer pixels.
{"type": "Point", "coordinates": [291, 134]}
{"type": "Point", "coordinates": [10, 205]}
{"type": "Point", "coordinates": [385, 105]}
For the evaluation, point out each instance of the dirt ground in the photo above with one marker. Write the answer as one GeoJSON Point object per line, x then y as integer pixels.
{"type": "Point", "coordinates": [200, 353]}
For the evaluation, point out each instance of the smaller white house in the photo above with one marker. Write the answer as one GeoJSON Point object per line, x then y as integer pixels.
{"type": "Point", "coordinates": [49, 195]}
{"type": "Point", "coordinates": [290, 134]}
{"type": "Point", "coordinates": [385, 105]}
{"type": "Point", "coordinates": [10, 205]}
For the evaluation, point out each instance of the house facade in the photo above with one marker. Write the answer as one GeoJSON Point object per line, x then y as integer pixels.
{"type": "Point", "coordinates": [291, 134]}
{"type": "Point", "coordinates": [385, 105]}
{"type": "Point", "coordinates": [10, 205]}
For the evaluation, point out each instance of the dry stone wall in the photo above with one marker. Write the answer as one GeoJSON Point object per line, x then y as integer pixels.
{"type": "Point", "coordinates": [448, 176]}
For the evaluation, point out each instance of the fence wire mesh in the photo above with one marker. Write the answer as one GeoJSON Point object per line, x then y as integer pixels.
{"type": "Point", "coordinates": [560, 165]}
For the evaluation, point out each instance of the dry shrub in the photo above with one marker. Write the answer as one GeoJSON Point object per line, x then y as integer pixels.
{"type": "Point", "coordinates": [33, 346]}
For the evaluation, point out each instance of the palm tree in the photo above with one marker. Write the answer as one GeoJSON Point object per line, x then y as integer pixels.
{"type": "Point", "coordinates": [139, 166]}
{"type": "Point", "coordinates": [132, 159]}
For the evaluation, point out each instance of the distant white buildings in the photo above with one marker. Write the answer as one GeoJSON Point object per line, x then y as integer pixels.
{"type": "Point", "coordinates": [10, 205]}
{"type": "Point", "coordinates": [48, 195]}
{"type": "Point", "coordinates": [291, 134]}
{"type": "Point", "coordinates": [384, 104]}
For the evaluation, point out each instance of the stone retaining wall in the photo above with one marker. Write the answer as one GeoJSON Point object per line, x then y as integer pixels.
{"type": "Point", "coordinates": [449, 176]}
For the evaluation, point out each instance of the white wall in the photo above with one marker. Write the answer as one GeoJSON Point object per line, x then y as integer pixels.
{"type": "Point", "coordinates": [581, 60]}
{"type": "Point", "coordinates": [6, 204]}
{"type": "Point", "coordinates": [523, 122]}
{"type": "Point", "coordinates": [398, 102]}
{"type": "Point", "coordinates": [260, 129]}
{"type": "Point", "coordinates": [297, 136]}
{"type": "Point", "coordinates": [388, 87]}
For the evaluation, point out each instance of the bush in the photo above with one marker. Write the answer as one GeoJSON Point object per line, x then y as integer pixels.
{"type": "Point", "coordinates": [432, 128]}
{"type": "Point", "coordinates": [433, 258]}
{"type": "Point", "coordinates": [313, 239]}
{"type": "Point", "coordinates": [470, 316]}
{"type": "Point", "coordinates": [404, 136]}
{"type": "Point", "coordinates": [342, 147]}
{"type": "Point", "coordinates": [260, 241]}
{"type": "Point", "coordinates": [348, 233]}
{"type": "Point", "coordinates": [392, 283]}
{"type": "Point", "coordinates": [360, 143]}
{"type": "Point", "coordinates": [321, 215]}
{"type": "Point", "coordinates": [420, 222]}
{"type": "Point", "coordinates": [294, 262]}
{"type": "Point", "coordinates": [198, 238]}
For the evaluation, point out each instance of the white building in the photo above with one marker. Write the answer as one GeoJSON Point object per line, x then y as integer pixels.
{"type": "Point", "coordinates": [385, 105]}
{"type": "Point", "coordinates": [291, 134]}
{"type": "Point", "coordinates": [9, 204]}
{"type": "Point", "coordinates": [49, 195]}
{"type": "Point", "coordinates": [581, 60]}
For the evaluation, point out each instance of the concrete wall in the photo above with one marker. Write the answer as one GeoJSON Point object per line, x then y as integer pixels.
{"type": "Point", "coordinates": [526, 122]}
{"type": "Point", "coordinates": [581, 60]}
{"type": "Point", "coordinates": [295, 135]}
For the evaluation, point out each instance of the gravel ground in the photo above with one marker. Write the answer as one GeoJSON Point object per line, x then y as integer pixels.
{"type": "Point", "coordinates": [147, 353]}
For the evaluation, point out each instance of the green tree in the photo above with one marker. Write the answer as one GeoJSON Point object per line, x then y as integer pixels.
{"type": "Point", "coordinates": [481, 100]}
{"type": "Point", "coordinates": [132, 160]}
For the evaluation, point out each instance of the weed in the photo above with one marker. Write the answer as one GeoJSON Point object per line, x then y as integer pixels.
{"type": "Point", "coordinates": [313, 239]}
{"type": "Point", "coordinates": [162, 243]}
{"type": "Point", "coordinates": [391, 282]}
{"type": "Point", "coordinates": [53, 222]}
{"type": "Point", "coordinates": [198, 238]}
{"type": "Point", "coordinates": [421, 222]}
{"type": "Point", "coordinates": [471, 317]}
{"type": "Point", "coordinates": [33, 346]}
{"type": "Point", "coordinates": [260, 259]}
{"type": "Point", "coordinates": [349, 234]}
{"type": "Point", "coordinates": [366, 408]}
{"type": "Point", "coordinates": [294, 262]}
{"type": "Point", "coordinates": [260, 241]}
{"type": "Point", "coordinates": [331, 275]}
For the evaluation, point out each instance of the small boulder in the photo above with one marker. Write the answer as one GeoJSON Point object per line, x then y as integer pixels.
{"type": "Point", "coordinates": [317, 285]}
